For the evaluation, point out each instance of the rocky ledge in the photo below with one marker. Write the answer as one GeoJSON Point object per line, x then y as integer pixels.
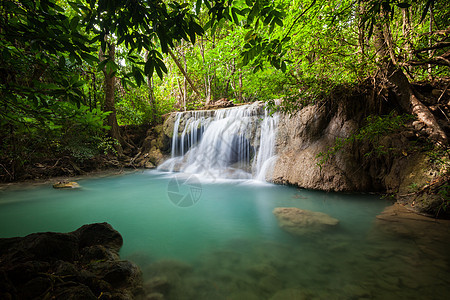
{"type": "Point", "coordinates": [83, 264]}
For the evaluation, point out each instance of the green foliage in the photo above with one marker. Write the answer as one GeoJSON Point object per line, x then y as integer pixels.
{"type": "Point", "coordinates": [40, 48]}
{"type": "Point", "coordinates": [376, 127]}
{"type": "Point", "coordinates": [444, 193]}
{"type": "Point", "coordinates": [413, 187]}
{"type": "Point", "coordinates": [64, 130]}
{"type": "Point", "coordinates": [138, 26]}
{"type": "Point", "coordinates": [133, 107]}
{"type": "Point", "coordinates": [107, 145]}
{"type": "Point", "coordinates": [440, 156]}
{"type": "Point", "coordinates": [49, 108]}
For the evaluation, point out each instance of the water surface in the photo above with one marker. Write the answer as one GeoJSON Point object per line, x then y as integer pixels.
{"type": "Point", "coordinates": [228, 245]}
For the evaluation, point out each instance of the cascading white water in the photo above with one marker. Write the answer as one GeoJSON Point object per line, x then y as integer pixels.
{"type": "Point", "coordinates": [265, 158]}
{"type": "Point", "coordinates": [224, 144]}
{"type": "Point", "coordinates": [175, 136]}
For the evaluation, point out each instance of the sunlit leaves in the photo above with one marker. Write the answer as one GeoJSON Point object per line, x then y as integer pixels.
{"type": "Point", "coordinates": [387, 8]}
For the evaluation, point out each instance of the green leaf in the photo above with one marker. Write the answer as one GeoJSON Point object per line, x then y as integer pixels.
{"type": "Point", "coordinates": [159, 72]}
{"type": "Point", "coordinates": [102, 65]}
{"type": "Point", "coordinates": [278, 21]}
{"type": "Point", "coordinates": [198, 5]}
{"type": "Point", "coordinates": [149, 67]}
{"type": "Point", "coordinates": [137, 73]}
{"type": "Point", "coordinates": [272, 27]}
{"type": "Point", "coordinates": [161, 65]}
{"type": "Point", "coordinates": [235, 17]}
{"type": "Point", "coordinates": [207, 25]}
{"type": "Point", "coordinates": [286, 39]}
{"type": "Point", "coordinates": [62, 62]}
{"type": "Point", "coordinates": [371, 28]}
{"type": "Point", "coordinates": [249, 35]}
{"type": "Point", "coordinates": [197, 28]}
{"type": "Point", "coordinates": [78, 84]}
{"type": "Point", "coordinates": [426, 9]}
{"type": "Point", "coordinates": [90, 59]}
{"type": "Point", "coordinates": [283, 67]}
{"type": "Point", "coordinates": [110, 66]}
{"type": "Point", "coordinates": [74, 6]}
{"type": "Point", "coordinates": [192, 36]}
{"type": "Point", "coordinates": [74, 23]}
{"type": "Point", "coordinates": [404, 5]}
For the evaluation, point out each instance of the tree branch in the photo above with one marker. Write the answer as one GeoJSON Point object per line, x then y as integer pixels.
{"type": "Point", "coordinates": [434, 47]}
{"type": "Point", "coordinates": [298, 17]}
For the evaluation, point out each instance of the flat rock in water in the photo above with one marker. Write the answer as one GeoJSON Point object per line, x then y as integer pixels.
{"type": "Point", "coordinates": [66, 185]}
{"type": "Point", "coordinates": [303, 222]}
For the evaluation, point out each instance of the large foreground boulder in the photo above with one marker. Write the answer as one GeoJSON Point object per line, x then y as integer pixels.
{"type": "Point", "coordinates": [83, 264]}
{"type": "Point", "coordinates": [302, 222]}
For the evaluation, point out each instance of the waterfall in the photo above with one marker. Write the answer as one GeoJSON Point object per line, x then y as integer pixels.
{"type": "Point", "coordinates": [265, 158]}
{"type": "Point", "coordinates": [236, 142]}
{"type": "Point", "coordinates": [175, 138]}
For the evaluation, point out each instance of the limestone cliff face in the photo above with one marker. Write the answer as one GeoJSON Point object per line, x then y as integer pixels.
{"type": "Point", "coordinates": [302, 136]}
{"type": "Point", "coordinates": [313, 130]}
{"type": "Point", "coordinates": [402, 168]}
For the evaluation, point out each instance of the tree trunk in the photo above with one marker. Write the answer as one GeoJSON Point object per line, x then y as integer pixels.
{"type": "Point", "coordinates": [181, 101]}
{"type": "Point", "coordinates": [207, 76]}
{"type": "Point", "coordinates": [227, 85]}
{"type": "Point", "coordinates": [240, 86]}
{"type": "Point", "coordinates": [406, 95]}
{"type": "Point", "coordinates": [109, 105]}
{"type": "Point", "coordinates": [151, 98]}
{"type": "Point", "coordinates": [406, 32]}
{"type": "Point", "coordinates": [151, 95]}
{"type": "Point", "coordinates": [180, 67]}
{"type": "Point", "coordinates": [361, 30]}
{"type": "Point", "coordinates": [184, 81]}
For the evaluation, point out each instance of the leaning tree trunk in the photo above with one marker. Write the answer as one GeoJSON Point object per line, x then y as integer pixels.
{"type": "Point", "coordinates": [207, 78]}
{"type": "Point", "coordinates": [186, 76]}
{"type": "Point", "coordinates": [109, 104]}
{"type": "Point", "coordinates": [406, 96]}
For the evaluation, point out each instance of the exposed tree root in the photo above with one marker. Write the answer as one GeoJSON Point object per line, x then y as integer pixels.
{"type": "Point", "coordinates": [409, 101]}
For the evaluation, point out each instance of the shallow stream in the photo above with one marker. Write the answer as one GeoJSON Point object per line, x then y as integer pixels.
{"type": "Point", "coordinates": [223, 241]}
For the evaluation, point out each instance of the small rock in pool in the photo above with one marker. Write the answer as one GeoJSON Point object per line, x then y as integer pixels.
{"type": "Point", "coordinates": [303, 222]}
{"type": "Point", "coordinates": [66, 185]}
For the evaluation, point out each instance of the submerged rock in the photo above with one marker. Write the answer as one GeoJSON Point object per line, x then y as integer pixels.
{"type": "Point", "coordinates": [303, 222]}
{"type": "Point", "coordinates": [399, 221]}
{"type": "Point", "coordinates": [159, 284]}
{"type": "Point", "coordinates": [83, 264]}
{"type": "Point", "coordinates": [66, 185]}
